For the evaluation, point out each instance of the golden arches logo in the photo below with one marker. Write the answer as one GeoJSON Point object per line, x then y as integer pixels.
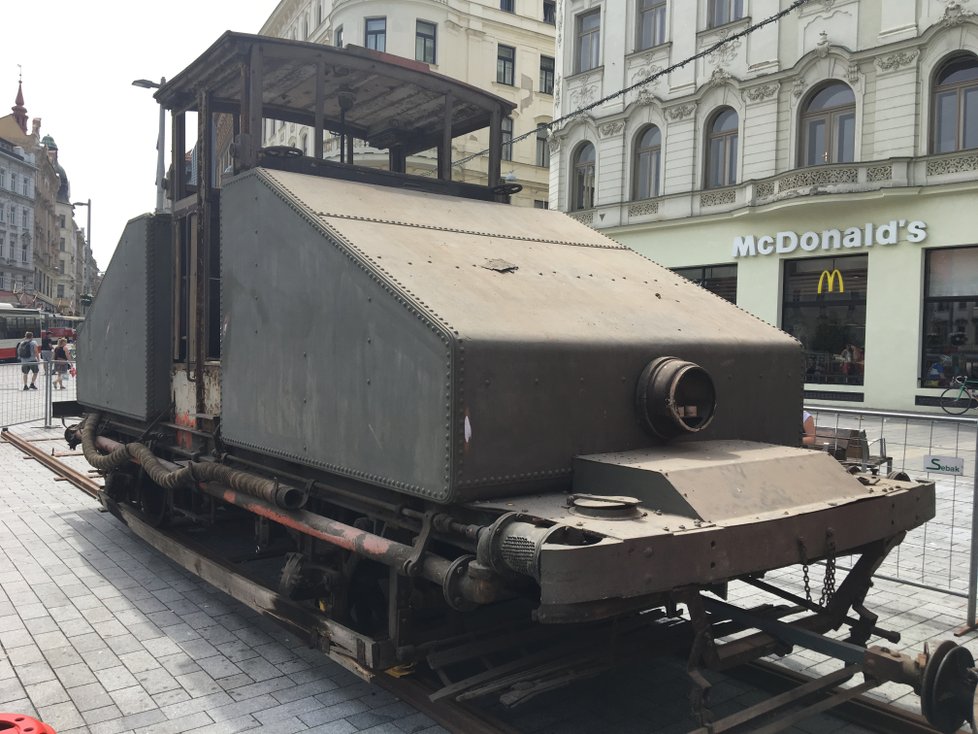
{"type": "Point", "coordinates": [830, 277]}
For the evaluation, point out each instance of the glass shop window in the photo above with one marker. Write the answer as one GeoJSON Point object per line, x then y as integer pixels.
{"type": "Point", "coordinates": [950, 328]}
{"type": "Point", "coordinates": [718, 279]}
{"type": "Point", "coordinates": [824, 307]}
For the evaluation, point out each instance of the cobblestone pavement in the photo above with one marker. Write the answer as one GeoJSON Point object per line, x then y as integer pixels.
{"type": "Point", "coordinates": [99, 633]}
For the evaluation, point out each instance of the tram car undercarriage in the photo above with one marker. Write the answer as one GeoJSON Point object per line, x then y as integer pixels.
{"type": "Point", "coordinates": [416, 424]}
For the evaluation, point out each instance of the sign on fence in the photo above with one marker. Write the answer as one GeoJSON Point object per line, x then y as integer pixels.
{"type": "Point", "coordinates": [944, 465]}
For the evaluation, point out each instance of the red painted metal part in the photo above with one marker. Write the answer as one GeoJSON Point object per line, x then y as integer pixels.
{"type": "Point", "coordinates": [21, 724]}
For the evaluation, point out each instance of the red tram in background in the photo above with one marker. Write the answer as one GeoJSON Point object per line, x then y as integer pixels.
{"type": "Point", "coordinates": [15, 321]}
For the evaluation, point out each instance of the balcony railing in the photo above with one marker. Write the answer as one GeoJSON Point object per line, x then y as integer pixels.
{"type": "Point", "coordinates": [846, 178]}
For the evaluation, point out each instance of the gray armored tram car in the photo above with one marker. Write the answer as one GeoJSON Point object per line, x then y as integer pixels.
{"type": "Point", "coordinates": [411, 420]}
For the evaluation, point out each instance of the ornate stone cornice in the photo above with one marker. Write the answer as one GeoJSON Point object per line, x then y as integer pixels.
{"type": "Point", "coordinates": [955, 14]}
{"type": "Point", "coordinates": [610, 129]}
{"type": "Point", "coordinates": [894, 61]}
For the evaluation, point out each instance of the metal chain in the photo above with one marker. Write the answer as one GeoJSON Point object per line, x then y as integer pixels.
{"type": "Point", "coordinates": [803, 555]}
{"type": "Point", "coordinates": [828, 585]}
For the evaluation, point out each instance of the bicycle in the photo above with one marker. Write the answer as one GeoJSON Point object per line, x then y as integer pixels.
{"type": "Point", "coordinates": [960, 396]}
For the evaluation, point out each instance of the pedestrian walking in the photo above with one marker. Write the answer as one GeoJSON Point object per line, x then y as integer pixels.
{"type": "Point", "coordinates": [47, 350]}
{"type": "Point", "coordinates": [62, 363]}
{"type": "Point", "coordinates": [28, 353]}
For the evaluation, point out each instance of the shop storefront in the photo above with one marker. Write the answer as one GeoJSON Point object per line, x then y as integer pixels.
{"type": "Point", "coordinates": [881, 291]}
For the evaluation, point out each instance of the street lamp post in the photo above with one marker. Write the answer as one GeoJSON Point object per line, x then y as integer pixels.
{"type": "Point", "coordinates": [88, 236]}
{"type": "Point", "coordinates": [160, 175]}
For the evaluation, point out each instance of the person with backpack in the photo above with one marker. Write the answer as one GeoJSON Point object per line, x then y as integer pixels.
{"type": "Point", "coordinates": [28, 352]}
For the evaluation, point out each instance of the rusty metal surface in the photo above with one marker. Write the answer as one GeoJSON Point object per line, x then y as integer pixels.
{"type": "Point", "coordinates": [721, 481]}
{"type": "Point", "coordinates": [86, 484]}
{"type": "Point", "coordinates": [420, 370]}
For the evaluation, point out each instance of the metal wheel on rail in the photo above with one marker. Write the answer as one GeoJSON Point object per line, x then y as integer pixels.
{"type": "Point", "coordinates": [947, 690]}
{"type": "Point", "coordinates": [955, 401]}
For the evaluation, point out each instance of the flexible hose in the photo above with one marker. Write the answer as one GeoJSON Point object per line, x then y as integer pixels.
{"type": "Point", "coordinates": [290, 498]}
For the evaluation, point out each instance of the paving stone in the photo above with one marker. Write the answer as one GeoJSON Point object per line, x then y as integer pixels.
{"type": "Point", "coordinates": [47, 693]}
{"type": "Point", "coordinates": [61, 716]}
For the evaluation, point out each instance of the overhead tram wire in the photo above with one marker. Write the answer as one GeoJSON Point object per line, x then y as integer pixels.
{"type": "Point", "coordinates": [668, 70]}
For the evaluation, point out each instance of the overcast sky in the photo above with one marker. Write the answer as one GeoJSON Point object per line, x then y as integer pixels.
{"type": "Point", "coordinates": [79, 60]}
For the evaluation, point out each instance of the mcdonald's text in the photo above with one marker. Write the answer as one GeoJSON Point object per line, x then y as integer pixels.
{"type": "Point", "coordinates": [784, 243]}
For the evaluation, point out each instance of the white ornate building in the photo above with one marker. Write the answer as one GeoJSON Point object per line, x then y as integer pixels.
{"type": "Point", "coordinates": [820, 171]}
{"type": "Point", "coordinates": [505, 47]}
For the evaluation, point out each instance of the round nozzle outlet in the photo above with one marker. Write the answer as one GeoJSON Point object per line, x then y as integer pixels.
{"type": "Point", "coordinates": [673, 397]}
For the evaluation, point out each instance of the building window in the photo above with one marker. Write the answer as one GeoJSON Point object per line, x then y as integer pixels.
{"type": "Point", "coordinates": [824, 307]}
{"type": "Point", "coordinates": [588, 43]}
{"type": "Point", "coordinates": [505, 64]}
{"type": "Point", "coordinates": [582, 187]}
{"type": "Point", "coordinates": [718, 279]}
{"type": "Point", "coordinates": [61, 221]}
{"type": "Point", "coordinates": [319, 13]}
{"type": "Point", "coordinates": [541, 204]}
{"type": "Point", "coordinates": [507, 131]}
{"type": "Point", "coordinates": [722, 12]}
{"type": "Point", "coordinates": [376, 34]}
{"type": "Point", "coordinates": [956, 105]}
{"type": "Point", "coordinates": [27, 186]}
{"type": "Point", "coordinates": [950, 333]}
{"type": "Point", "coordinates": [721, 150]}
{"type": "Point", "coordinates": [648, 155]}
{"type": "Point", "coordinates": [61, 244]}
{"type": "Point", "coordinates": [61, 267]}
{"type": "Point", "coordinates": [3, 209]}
{"type": "Point", "coordinates": [61, 290]}
{"type": "Point", "coordinates": [338, 37]}
{"type": "Point", "coordinates": [543, 147]}
{"type": "Point", "coordinates": [651, 23]}
{"type": "Point", "coordinates": [23, 252]}
{"type": "Point", "coordinates": [13, 182]}
{"type": "Point", "coordinates": [3, 178]}
{"type": "Point", "coordinates": [507, 5]}
{"type": "Point", "coordinates": [25, 218]}
{"type": "Point", "coordinates": [547, 74]}
{"type": "Point", "coordinates": [828, 126]}
{"type": "Point", "coordinates": [424, 42]}
{"type": "Point", "coordinates": [550, 12]}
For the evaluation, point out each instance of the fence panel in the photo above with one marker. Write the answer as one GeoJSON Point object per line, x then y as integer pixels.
{"type": "Point", "coordinates": [936, 555]}
{"type": "Point", "coordinates": [21, 405]}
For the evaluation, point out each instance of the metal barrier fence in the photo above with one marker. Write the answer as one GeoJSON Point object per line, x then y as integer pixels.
{"type": "Point", "coordinates": [941, 554]}
{"type": "Point", "coordinates": [22, 406]}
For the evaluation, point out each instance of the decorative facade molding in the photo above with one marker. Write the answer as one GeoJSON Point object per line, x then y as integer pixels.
{"type": "Point", "coordinates": [610, 129]}
{"type": "Point", "coordinates": [957, 164]}
{"type": "Point", "coordinates": [726, 53]}
{"type": "Point", "coordinates": [817, 177]}
{"type": "Point", "coordinates": [582, 217]}
{"type": "Point", "coordinates": [822, 47]}
{"type": "Point", "coordinates": [852, 74]}
{"type": "Point", "coordinates": [681, 112]}
{"type": "Point", "coordinates": [584, 92]}
{"type": "Point", "coordinates": [718, 198]}
{"type": "Point", "coordinates": [760, 93]}
{"type": "Point", "coordinates": [719, 77]}
{"type": "Point", "coordinates": [643, 208]}
{"type": "Point", "coordinates": [893, 62]}
{"type": "Point", "coordinates": [955, 14]}
{"type": "Point", "coordinates": [879, 173]}
{"type": "Point", "coordinates": [764, 190]}
{"type": "Point", "coordinates": [798, 87]}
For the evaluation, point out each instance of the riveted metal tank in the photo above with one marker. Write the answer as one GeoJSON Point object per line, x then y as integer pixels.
{"type": "Point", "coordinates": [458, 350]}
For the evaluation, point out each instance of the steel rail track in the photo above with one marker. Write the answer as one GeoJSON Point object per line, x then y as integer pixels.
{"type": "Point", "coordinates": [467, 719]}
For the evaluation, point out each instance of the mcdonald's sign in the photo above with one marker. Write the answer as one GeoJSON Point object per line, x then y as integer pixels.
{"type": "Point", "coordinates": [829, 277]}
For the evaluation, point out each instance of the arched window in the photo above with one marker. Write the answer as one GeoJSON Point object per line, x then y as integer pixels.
{"type": "Point", "coordinates": [828, 126]}
{"type": "Point", "coordinates": [582, 189]}
{"type": "Point", "coordinates": [721, 150]}
{"type": "Point", "coordinates": [956, 105]}
{"type": "Point", "coordinates": [648, 154]}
